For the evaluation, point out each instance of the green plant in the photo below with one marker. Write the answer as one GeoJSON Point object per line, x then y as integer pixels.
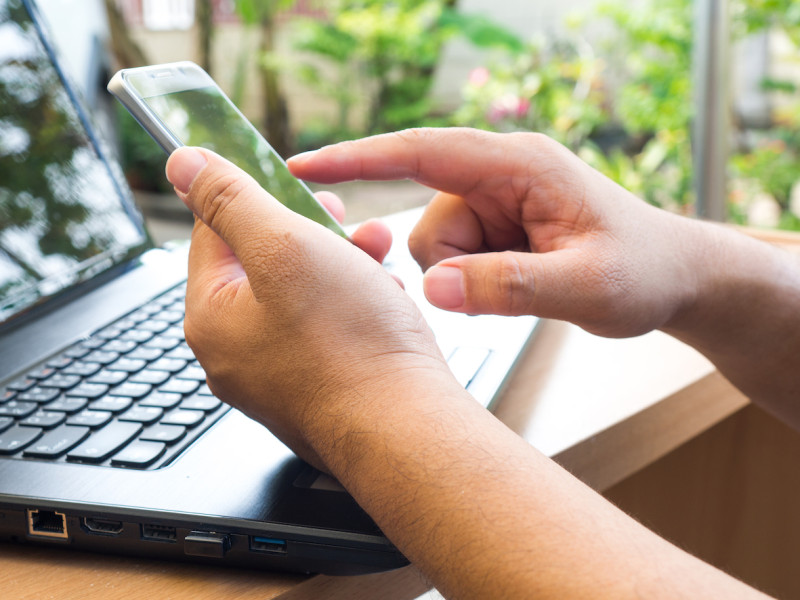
{"type": "Point", "coordinates": [635, 131]}
{"type": "Point", "coordinates": [549, 87]}
{"type": "Point", "coordinates": [634, 125]}
{"type": "Point", "coordinates": [381, 56]}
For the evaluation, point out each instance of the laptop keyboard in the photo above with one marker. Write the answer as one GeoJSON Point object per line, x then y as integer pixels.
{"type": "Point", "coordinates": [131, 395]}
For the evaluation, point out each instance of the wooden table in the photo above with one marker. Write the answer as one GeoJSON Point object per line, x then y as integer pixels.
{"type": "Point", "coordinates": [607, 410]}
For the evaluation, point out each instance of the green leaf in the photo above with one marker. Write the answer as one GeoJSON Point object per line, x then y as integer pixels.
{"type": "Point", "coordinates": [481, 31]}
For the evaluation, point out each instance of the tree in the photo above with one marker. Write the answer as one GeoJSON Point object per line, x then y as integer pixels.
{"type": "Point", "coordinates": [263, 15]}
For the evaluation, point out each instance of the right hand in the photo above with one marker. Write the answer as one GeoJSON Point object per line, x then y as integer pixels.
{"type": "Point", "coordinates": [520, 225]}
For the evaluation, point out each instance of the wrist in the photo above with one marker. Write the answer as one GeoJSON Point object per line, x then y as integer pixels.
{"type": "Point", "coordinates": [356, 421]}
{"type": "Point", "coordinates": [745, 296]}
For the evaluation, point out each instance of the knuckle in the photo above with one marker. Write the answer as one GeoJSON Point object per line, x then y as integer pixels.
{"type": "Point", "coordinates": [217, 193]}
{"type": "Point", "coordinates": [418, 247]}
{"type": "Point", "coordinates": [515, 284]}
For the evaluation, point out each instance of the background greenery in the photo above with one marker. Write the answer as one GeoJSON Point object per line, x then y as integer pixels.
{"type": "Point", "coordinates": [623, 104]}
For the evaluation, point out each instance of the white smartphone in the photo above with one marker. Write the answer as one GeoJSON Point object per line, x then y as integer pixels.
{"type": "Point", "coordinates": [179, 104]}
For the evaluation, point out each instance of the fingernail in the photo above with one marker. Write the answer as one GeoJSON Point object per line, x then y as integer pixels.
{"type": "Point", "coordinates": [444, 287]}
{"type": "Point", "coordinates": [302, 157]}
{"type": "Point", "coordinates": [183, 166]}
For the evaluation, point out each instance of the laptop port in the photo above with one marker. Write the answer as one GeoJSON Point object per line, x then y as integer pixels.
{"type": "Point", "coordinates": [97, 526]}
{"type": "Point", "coordinates": [267, 545]}
{"type": "Point", "coordinates": [159, 533]}
{"type": "Point", "coordinates": [47, 523]}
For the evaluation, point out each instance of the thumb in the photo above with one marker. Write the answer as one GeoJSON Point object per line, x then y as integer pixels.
{"type": "Point", "coordinates": [504, 283]}
{"type": "Point", "coordinates": [248, 219]}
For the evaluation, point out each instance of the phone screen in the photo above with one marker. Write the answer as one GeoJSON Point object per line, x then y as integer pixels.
{"type": "Point", "coordinates": [205, 117]}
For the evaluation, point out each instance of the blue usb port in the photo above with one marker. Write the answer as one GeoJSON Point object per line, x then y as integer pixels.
{"type": "Point", "coordinates": [267, 545]}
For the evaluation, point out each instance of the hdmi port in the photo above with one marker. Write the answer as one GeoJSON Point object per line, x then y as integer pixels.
{"type": "Point", "coordinates": [101, 526]}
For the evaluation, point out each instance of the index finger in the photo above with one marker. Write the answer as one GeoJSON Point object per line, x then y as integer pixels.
{"type": "Point", "coordinates": [453, 160]}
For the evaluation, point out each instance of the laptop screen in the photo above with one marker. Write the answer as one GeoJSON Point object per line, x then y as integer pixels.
{"type": "Point", "coordinates": [64, 217]}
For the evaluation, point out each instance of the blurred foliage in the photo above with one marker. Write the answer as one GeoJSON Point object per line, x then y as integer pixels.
{"type": "Point", "coordinates": [382, 55]}
{"type": "Point", "coordinates": [625, 106]}
{"type": "Point", "coordinates": [640, 137]}
{"type": "Point", "coordinates": [635, 130]}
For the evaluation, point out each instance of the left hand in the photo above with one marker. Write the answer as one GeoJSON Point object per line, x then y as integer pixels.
{"type": "Point", "coordinates": [290, 321]}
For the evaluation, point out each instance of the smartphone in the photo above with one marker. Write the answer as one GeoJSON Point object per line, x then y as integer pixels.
{"type": "Point", "coordinates": [179, 104]}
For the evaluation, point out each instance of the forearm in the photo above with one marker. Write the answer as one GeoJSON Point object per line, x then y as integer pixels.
{"type": "Point", "coordinates": [744, 315]}
{"type": "Point", "coordinates": [482, 513]}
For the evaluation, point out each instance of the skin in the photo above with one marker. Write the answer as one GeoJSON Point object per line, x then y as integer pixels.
{"type": "Point", "coordinates": [306, 333]}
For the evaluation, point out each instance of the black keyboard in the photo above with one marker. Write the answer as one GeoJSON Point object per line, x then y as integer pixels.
{"type": "Point", "coordinates": [131, 395]}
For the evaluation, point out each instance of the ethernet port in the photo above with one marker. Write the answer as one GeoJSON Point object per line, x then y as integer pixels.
{"type": "Point", "coordinates": [47, 523]}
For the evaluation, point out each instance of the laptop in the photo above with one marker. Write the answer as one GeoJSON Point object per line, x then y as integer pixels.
{"type": "Point", "coordinates": [110, 439]}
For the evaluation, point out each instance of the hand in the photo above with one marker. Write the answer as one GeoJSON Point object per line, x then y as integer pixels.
{"type": "Point", "coordinates": [520, 225]}
{"type": "Point", "coordinates": [289, 320]}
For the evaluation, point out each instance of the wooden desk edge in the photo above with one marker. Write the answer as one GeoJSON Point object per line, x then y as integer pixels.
{"type": "Point", "coordinates": [614, 454]}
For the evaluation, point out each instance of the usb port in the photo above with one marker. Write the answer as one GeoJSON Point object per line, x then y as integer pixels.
{"type": "Point", "coordinates": [159, 533]}
{"type": "Point", "coordinates": [267, 544]}
{"type": "Point", "coordinates": [47, 523]}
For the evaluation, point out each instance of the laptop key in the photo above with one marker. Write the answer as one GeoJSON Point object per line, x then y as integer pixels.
{"type": "Point", "coordinates": [39, 394]}
{"type": "Point", "coordinates": [105, 442]}
{"type": "Point", "coordinates": [68, 405]}
{"type": "Point", "coordinates": [161, 400]}
{"type": "Point", "coordinates": [193, 372]}
{"type": "Point", "coordinates": [62, 381]}
{"type": "Point", "coordinates": [131, 390]}
{"type": "Point", "coordinates": [120, 346]}
{"type": "Point", "coordinates": [183, 351]}
{"type": "Point", "coordinates": [22, 384]}
{"type": "Point", "coordinates": [16, 438]}
{"type": "Point", "coordinates": [169, 434]}
{"type": "Point", "coordinates": [59, 362]}
{"type": "Point", "coordinates": [163, 342]}
{"type": "Point", "coordinates": [204, 390]}
{"type": "Point", "coordinates": [103, 357]}
{"type": "Point", "coordinates": [187, 418]}
{"type": "Point", "coordinates": [76, 352]}
{"type": "Point", "coordinates": [204, 403]}
{"type": "Point", "coordinates": [7, 395]}
{"type": "Point", "coordinates": [107, 377]}
{"type": "Point", "coordinates": [47, 419]}
{"type": "Point", "coordinates": [137, 335]}
{"type": "Point", "coordinates": [139, 454]}
{"type": "Point", "coordinates": [171, 365]}
{"type": "Point", "coordinates": [5, 423]}
{"type": "Point", "coordinates": [43, 372]}
{"type": "Point", "coordinates": [142, 414]}
{"type": "Point", "coordinates": [82, 368]}
{"type": "Point", "coordinates": [17, 408]}
{"type": "Point", "coordinates": [150, 376]}
{"type": "Point", "coordinates": [153, 326]}
{"type": "Point", "coordinates": [180, 386]}
{"type": "Point", "coordinates": [129, 365]}
{"type": "Point", "coordinates": [113, 404]}
{"type": "Point", "coordinates": [88, 390]}
{"type": "Point", "coordinates": [92, 343]}
{"type": "Point", "coordinates": [56, 442]}
{"type": "Point", "coordinates": [147, 354]}
{"type": "Point", "coordinates": [90, 418]}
